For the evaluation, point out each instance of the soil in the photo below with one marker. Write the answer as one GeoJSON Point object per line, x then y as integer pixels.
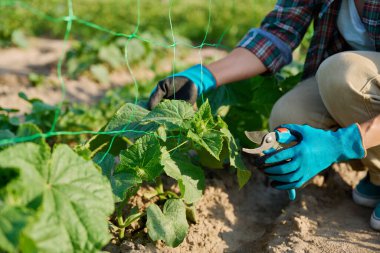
{"type": "Point", "coordinates": [256, 218]}
{"type": "Point", "coordinates": [41, 58]}
{"type": "Point", "coordinates": [259, 218]}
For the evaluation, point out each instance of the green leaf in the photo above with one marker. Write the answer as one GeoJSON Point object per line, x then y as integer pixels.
{"type": "Point", "coordinates": [29, 129]}
{"type": "Point", "coordinates": [161, 133]}
{"type": "Point", "coordinates": [100, 73]}
{"type": "Point", "coordinates": [192, 182]}
{"type": "Point", "coordinates": [190, 178]}
{"type": "Point", "coordinates": [143, 157]}
{"type": "Point", "coordinates": [127, 114]}
{"type": "Point", "coordinates": [203, 119]}
{"type": "Point", "coordinates": [106, 162]}
{"type": "Point", "coordinates": [205, 132]}
{"type": "Point", "coordinates": [12, 222]}
{"type": "Point", "coordinates": [174, 114]}
{"type": "Point", "coordinates": [121, 181]}
{"type": "Point", "coordinates": [170, 225]}
{"type": "Point", "coordinates": [8, 110]}
{"type": "Point", "coordinates": [212, 141]}
{"type": "Point", "coordinates": [128, 119]}
{"type": "Point", "coordinates": [211, 162]}
{"type": "Point", "coordinates": [124, 182]}
{"type": "Point", "coordinates": [170, 167]}
{"type": "Point", "coordinates": [15, 121]}
{"type": "Point", "coordinates": [102, 142]}
{"type": "Point", "coordinates": [23, 96]}
{"type": "Point", "coordinates": [6, 134]}
{"type": "Point", "coordinates": [72, 198]}
{"type": "Point", "coordinates": [243, 174]}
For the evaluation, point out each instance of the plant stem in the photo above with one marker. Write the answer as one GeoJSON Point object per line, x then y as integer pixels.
{"type": "Point", "coordinates": [128, 141]}
{"type": "Point", "coordinates": [169, 194]}
{"type": "Point", "coordinates": [159, 185]}
{"type": "Point", "coordinates": [183, 143]}
{"type": "Point", "coordinates": [132, 219]}
{"type": "Point", "coordinates": [120, 220]}
{"type": "Point", "coordinates": [122, 233]}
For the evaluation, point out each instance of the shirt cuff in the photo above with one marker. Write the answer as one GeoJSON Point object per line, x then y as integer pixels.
{"type": "Point", "coordinates": [272, 51]}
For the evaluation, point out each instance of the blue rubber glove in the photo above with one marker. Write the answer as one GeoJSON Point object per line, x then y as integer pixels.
{"type": "Point", "coordinates": [200, 76]}
{"type": "Point", "coordinates": [186, 85]}
{"type": "Point", "coordinates": [315, 151]}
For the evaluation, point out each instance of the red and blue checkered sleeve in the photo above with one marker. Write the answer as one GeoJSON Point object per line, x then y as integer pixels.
{"type": "Point", "coordinates": [280, 33]}
{"type": "Point", "coordinates": [266, 50]}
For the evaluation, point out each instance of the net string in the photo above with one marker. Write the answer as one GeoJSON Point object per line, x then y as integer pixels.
{"type": "Point", "coordinates": [70, 19]}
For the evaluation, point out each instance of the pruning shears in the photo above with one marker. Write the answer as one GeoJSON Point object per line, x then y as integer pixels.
{"type": "Point", "coordinates": [270, 142]}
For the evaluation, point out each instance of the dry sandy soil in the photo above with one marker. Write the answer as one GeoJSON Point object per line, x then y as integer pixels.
{"type": "Point", "coordinates": [258, 218]}
{"type": "Point", "coordinates": [255, 219]}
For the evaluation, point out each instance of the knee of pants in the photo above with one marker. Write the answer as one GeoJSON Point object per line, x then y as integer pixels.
{"type": "Point", "coordinates": [286, 111]}
{"type": "Point", "coordinates": [341, 79]}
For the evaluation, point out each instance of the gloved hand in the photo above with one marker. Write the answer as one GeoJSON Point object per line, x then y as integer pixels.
{"type": "Point", "coordinates": [186, 85]}
{"type": "Point", "coordinates": [315, 151]}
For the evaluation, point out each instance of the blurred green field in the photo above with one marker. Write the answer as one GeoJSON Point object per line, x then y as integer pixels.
{"type": "Point", "coordinates": [229, 20]}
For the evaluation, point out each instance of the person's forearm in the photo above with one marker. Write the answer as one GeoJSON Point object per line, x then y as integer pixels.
{"type": "Point", "coordinates": [238, 65]}
{"type": "Point", "coordinates": [370, 131]}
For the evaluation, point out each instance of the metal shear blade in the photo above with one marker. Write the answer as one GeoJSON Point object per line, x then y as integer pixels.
{"type": "Point", "coordinates": [267, 141]}
{"type": "Point", "coordinates": [256, 136]}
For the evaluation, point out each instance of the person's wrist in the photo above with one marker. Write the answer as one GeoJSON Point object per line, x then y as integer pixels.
{"type": "Point", "coordinates": [351, 143]}
{"type": "Point", "coordinates": [201, 76]}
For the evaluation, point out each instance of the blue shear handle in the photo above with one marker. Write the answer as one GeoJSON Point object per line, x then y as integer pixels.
{"type": "Point", "coordinates": [283, 135]}
{"type": "Point", "coordinates": [292, 194]}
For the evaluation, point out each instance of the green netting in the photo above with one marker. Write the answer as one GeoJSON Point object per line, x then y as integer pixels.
{"type": "Point", "coordinates": [69, 20]}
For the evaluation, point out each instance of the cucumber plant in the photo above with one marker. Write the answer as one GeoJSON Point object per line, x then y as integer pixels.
{"type": "Point", "coordinates": [152, 144]}
{"type": "Point", "coordinates": [64, 196]}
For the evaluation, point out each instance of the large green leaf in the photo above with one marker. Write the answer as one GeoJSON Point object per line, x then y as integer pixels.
{"type": "Point", "coordinates": [143, 157]}
{"type": "Point", "coordinates": [128, 119]}
{"type": "Point", "coordinates": [170, 225]}
{"type": "Point", "coordinates": [72, 198]}
{"type": "Point", "coordinates": [191, 179]}
{"type": "Point", "coordinates": [127, 114]}
{"type": "Point", "coordinates": [174, 114]}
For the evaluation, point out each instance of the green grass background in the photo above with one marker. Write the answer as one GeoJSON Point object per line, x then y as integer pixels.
{"type": "Point", "coordinates": [189, 18]}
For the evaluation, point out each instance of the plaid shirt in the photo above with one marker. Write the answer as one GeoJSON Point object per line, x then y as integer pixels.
{"type": "Point", "coordinates": [283, 28]}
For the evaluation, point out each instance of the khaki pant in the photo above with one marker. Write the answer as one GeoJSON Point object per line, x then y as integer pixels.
{"type": "Point", "coordinates": [345, 90]}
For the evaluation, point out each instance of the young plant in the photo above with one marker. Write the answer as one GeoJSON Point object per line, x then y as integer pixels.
{"type": "Point", "coordinates": [157, 143]}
